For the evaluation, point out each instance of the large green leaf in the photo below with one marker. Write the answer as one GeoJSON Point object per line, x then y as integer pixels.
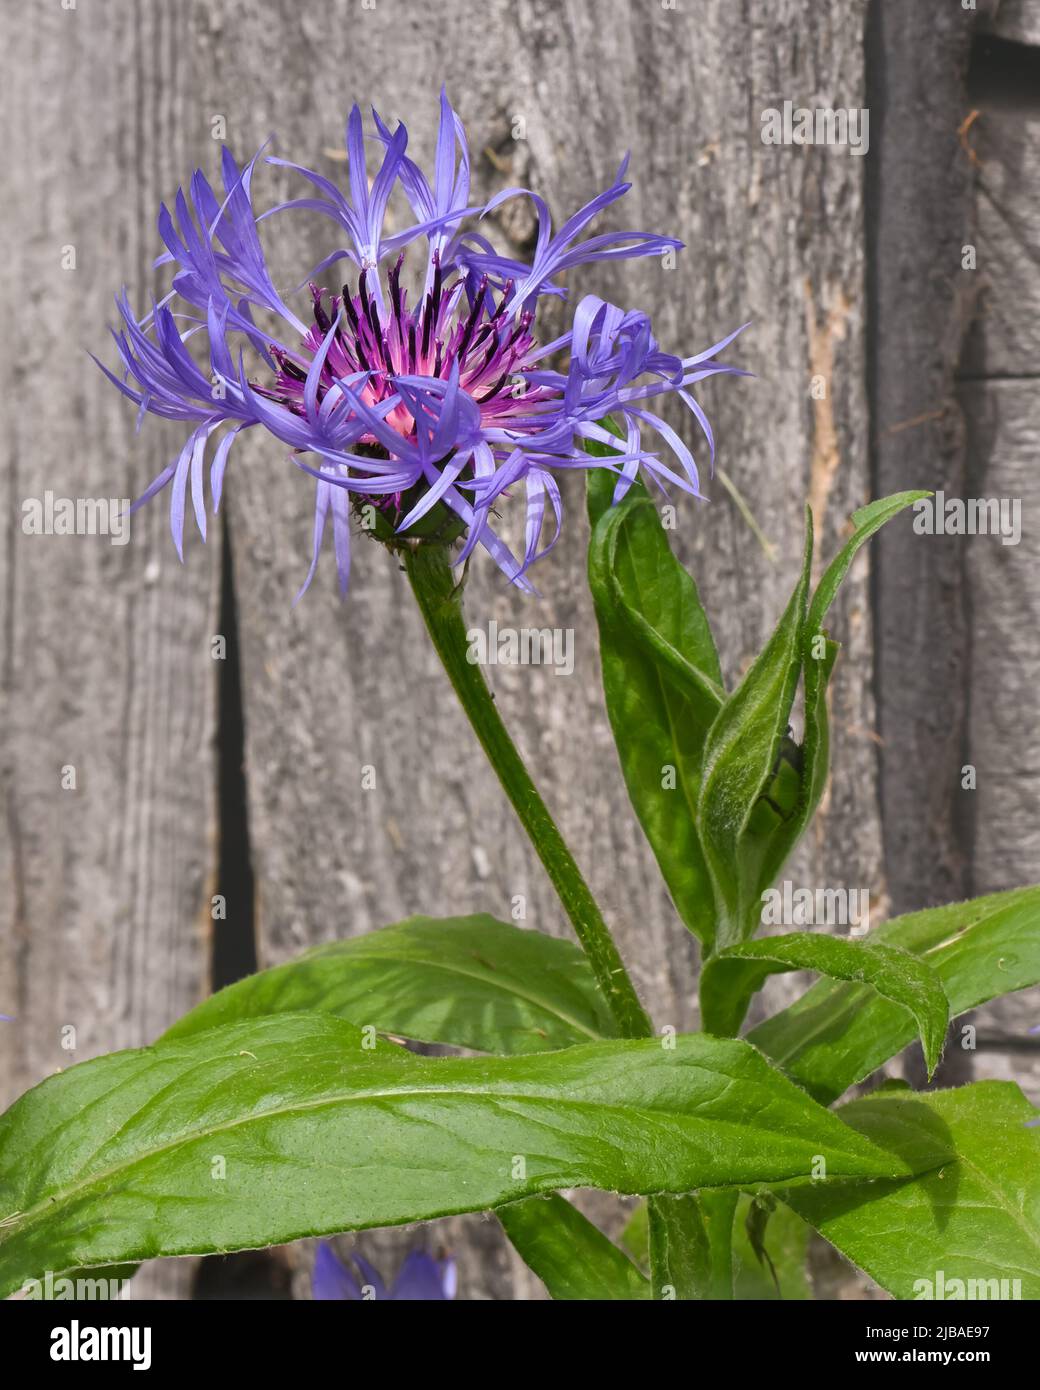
{"type": "Point", "coordinates": [837, 1034]}
{"type": "Point", "coordinates": [473, 982]}
{"type": "Point", "coordinates": [974, 1218]}
{"type": "Point", "coordinates": [740, 760]}
{"type": "Point", "coordinates": [469, 981]}
{"type": "Point", "coordinates": [661, 683]}
{"type": "Point", "coordinates": [729, 980]}
{"type": "Point", "coordinates": [571, 1256]}
{"type": "Point", "coordinates": [260, 1132]}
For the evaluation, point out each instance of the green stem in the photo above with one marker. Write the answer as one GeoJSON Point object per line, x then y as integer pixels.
{"type": "Point", "coordinates": [691, 1244]}
{"type": "Point", "coordinates": [675, 1222]}
{"type": "Point", "coordinates": [678, 1247]}
{"type": "Point", "coordinates": [440, 602]}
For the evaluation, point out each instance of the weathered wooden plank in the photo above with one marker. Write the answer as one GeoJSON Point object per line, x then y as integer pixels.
{"type": "Point", "coordinates": [999, 396]}
{"type": "Point", "coordinates": [1004, 338]}
{"type": "Point", "coordinates": [775, 234]}
{"type": "Point", "coordinates": [1017, 20]}
{"type": "Point", "coordinates": [921, 303]}
{"type": "Point", "coordinates": [1004, 748]}
{"type": "Point", "coordinates": [106, 664]}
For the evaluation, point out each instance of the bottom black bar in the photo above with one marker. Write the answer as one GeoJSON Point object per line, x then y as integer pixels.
{"type": "Point", "coordinates": [116, 1336]}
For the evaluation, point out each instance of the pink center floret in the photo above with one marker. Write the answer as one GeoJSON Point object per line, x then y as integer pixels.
{"type": "Point", "coordinates": [486, 341]}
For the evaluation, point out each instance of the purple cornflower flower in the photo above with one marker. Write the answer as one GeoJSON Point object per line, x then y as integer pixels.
{"type": "Point", "coordinates": [420, 1278]}
{"type": "Point", "coordinates": [401, 410]}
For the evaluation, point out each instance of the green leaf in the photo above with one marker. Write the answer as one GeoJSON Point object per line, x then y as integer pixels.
{"type": "Point", "coordinates": [755, 804]}
{"type": "Point", "coordinates": [770, 1251]}
{"type": "Point", "coordinates": [260, 1132]}
{"type": "Point", "coordinates": [866, 521]}
{"type": "Point", "coordinates": [469, 981]}
{"type": "Point", "coordinates": [571, 1256]}
{"type": "Point", "coordinates": [837, 1034]}
{"type": "Point", "coordinates": [654, 593]}
{"type": "Point", "coordinates": [740, 759]}
{"type": "Point", "coordinates": [798, 803]}
{"type": "Point", "coordinates": [729, 980]}
{"type": "Point", "coordinates": [680, 1258]}
{"type": "Point", "coordinates": [661, 681]}
{"type": "Point", "coordinates": [474, 982]}
{"type": "Point", "coordinates": [636, 1235]}
{"type": "Point", "coordinates": [818, 663]}
{"type": "Point", "coordinates": [718, 1209]}
{"type": "Point", "coordinates": [974, 1218]}
{"type": "Point", "coordinates": [819, 654]}
{"type": "Point", "coordinates": [739, 809]}
{"type": "Point", "coordinates": [818, 660]}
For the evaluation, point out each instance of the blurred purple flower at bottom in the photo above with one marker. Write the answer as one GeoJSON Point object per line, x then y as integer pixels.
{"type": "Point", "coordinates": [421, 1278]}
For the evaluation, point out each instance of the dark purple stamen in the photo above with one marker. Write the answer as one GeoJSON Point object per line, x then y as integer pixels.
{"type": "Point", "coordinates": [363, 294]}
{"type": "Point", "coordinates": [494, 390]}
{"type": "Point", "coordinates": [437, 283]}
{"type": "Point", "coordinates": [427, 323]}
{"type": "Point", "coordinates": [289, 367]}
{"type": "Point", "coordinates": [472, 320]}
{"type": "Point", "coordinates": [394, 281]}
{"type": "Point", "coordinates": [349, 310]}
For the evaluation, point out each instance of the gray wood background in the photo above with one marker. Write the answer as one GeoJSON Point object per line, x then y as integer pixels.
{"type": "Point", "coordinates": [851, 269]}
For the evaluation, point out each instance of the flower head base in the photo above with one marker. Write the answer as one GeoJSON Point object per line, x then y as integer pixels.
{"type": "Point", "coordinates": [396, 357]}
{"type": "Point", "coordinates": [421, 1279]}
{"type": "Point", "coordinates": [423, 416]}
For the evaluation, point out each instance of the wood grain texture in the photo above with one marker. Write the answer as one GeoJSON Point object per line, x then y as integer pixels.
{"type": "Point", "coordinates": [106, 665]}
{"type": "Point", "coordinates": [1004, 436]}
{"type": "Point", "coordinates": [1001, 402]}
{"type": "Point", "coordinates": [1018, 20]}
{"type": "Point", "coordinates": [922, 303]}
{"type": "Point", "coordinates": [1004, 337]}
